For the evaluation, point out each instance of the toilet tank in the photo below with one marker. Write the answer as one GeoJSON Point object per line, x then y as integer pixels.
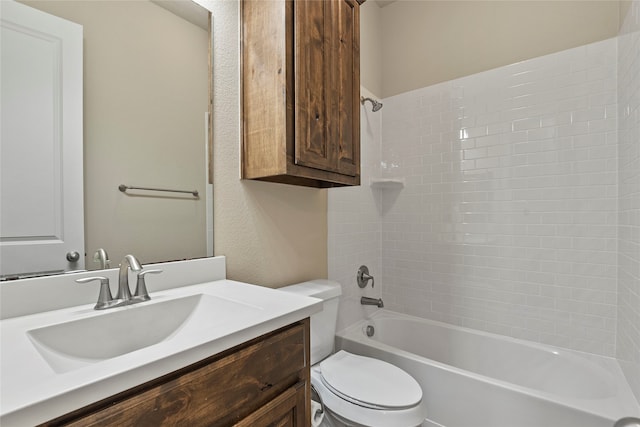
{"type": "Point", "coordinates": [323, 324]}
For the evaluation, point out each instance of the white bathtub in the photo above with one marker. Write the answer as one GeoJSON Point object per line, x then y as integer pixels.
{"type": "Point", "coordinates": [477, 379]}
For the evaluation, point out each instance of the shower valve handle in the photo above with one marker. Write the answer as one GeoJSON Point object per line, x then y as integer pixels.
{"type": "Point", "coordinates": [363, 276]}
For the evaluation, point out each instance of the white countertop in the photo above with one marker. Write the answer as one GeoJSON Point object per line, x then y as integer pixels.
{"type": "Point", "coordinates": [31, 391]}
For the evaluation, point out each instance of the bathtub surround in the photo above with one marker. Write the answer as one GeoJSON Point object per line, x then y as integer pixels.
{"type": "Point", "coordinates": [515, 217]}
{"type": "Point", "coordinates": [628, 315]}
{"type": "Point", "coordinates": [507, 222]}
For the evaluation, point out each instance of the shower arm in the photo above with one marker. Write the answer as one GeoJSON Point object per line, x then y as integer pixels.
{"type": "Point", "coordinates": [375, 105]}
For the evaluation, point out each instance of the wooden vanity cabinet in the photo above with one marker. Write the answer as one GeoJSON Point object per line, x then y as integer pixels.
{"type": "Point", "coordinates": [301, 91]}
{"type": "Point", "coordinates": [264, 382]}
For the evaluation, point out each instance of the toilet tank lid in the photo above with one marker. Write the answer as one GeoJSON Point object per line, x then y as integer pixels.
{"type": "Point", "coordinates": [317, 288]}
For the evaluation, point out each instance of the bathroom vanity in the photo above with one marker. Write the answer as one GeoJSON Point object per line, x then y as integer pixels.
{"type": "Point", "coordinates": [262, 382]}
{"type": "Point", "coordinates": [204, 351]}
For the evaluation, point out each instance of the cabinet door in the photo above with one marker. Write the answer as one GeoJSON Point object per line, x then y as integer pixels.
{"type": "Point", "coordinates": [343, 85]}
{"type": "Point", "coordinates": [312, 26]}
{"type": "Point", "coordinates": [286, 410]}
{"type": "Point", "coordinates": [327, 90]}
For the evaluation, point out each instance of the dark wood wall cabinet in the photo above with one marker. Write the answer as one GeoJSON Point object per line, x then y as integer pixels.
{"type": "Point", "coordinates": [301, 92]}
{"type": "Point", "coordinates": [264, 382]}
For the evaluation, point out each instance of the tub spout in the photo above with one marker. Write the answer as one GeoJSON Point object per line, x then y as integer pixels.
{"type": "Point", "coordinates": [372, 301]}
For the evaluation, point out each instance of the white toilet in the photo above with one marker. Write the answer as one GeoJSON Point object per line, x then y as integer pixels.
{"type": "Point", "coordinates": [355, 390]}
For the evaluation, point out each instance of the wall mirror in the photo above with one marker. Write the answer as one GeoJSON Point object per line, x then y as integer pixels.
{"type": "Point", "coordinates": [146, 99]}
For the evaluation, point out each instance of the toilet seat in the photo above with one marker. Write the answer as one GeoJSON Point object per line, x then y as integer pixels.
{"type": "Point", "coordinates": [370, 383]}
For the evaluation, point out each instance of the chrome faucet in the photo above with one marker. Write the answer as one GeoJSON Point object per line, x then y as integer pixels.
{"type": "Point", "coordinates": [123, 297]}
{"type": "Point", "coordinates": [102, 257]}
{"type": "Point", "coordinates": [372, 301]}
{"type": "Point", "coordinates": [129, 261]}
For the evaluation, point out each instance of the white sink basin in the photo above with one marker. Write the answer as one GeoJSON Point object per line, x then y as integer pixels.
{"type": "Point", "coordinates": [115, 332]}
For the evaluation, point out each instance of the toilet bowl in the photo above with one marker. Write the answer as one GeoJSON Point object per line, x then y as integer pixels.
{"type": "Point", "coordinates": [355, 390]}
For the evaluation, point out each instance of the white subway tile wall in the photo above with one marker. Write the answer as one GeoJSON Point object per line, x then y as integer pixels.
{"type": "Point", "coordinates": [521, 210]}
{"type": "Point", "coordinates": [628, 332]}
{"type": "Point", "coordinates": [508, 220]}
{"type": "Point", "coordinates": [354, 226]}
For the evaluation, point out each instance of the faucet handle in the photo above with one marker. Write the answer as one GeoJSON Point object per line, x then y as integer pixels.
{"type": "Point", "coordinates": [141, 292]}
{"type": "Point", "coordinates": [104, 298]}
{"type": "Point", "coordinates": [363, 277]}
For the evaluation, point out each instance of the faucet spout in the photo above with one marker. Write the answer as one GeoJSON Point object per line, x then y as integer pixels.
{"type": "Point", "coordinates": [129, 262]}
{"type": "Point", "coordinates": [372, 301]}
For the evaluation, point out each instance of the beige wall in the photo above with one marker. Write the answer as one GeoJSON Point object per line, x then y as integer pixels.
{"type": "Point", "coordinates": [370, 47]}
{"type": "Point", "coordinates": [145, 96]}
{"type": "Point", "coordinates": [426, 42]}
{"type": "Point", "coordinates": [272, 234]}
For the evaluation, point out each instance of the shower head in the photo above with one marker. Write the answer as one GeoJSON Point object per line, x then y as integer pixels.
{"type": "Point", "coordinates": [376, 105]}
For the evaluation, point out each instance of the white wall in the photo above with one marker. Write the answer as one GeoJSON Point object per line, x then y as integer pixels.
{"type": "Point", "coordinates": [508, 220]}
{"type": "Point", "coordinates": [628, 331]}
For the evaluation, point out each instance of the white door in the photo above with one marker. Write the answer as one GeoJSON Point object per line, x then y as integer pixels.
{"type": "Point", "coordinates": [41, 199]}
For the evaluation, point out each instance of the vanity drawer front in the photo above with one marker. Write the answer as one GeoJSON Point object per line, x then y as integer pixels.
{"type": "Point", "coordinates": [286, 410]}
{"type": "Point", "coordinates": [220, 393]}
